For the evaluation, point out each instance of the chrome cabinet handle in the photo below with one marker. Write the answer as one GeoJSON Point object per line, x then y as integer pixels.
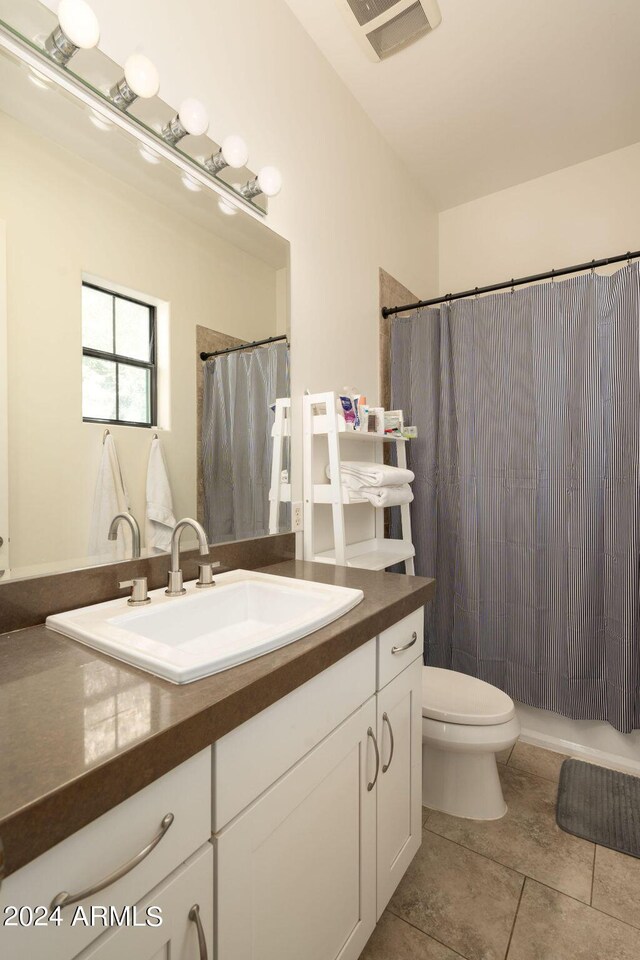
{"type": "Point", "coordinates": [405, 646]}
{"type": "Point", "coordinates": [371, 734]}
{"type": "Point", "coordinates": [385, 719]}
{"type": "Point", "coordinates": [194, 914]}
{"type": "Point", "coordinates": [63, 899]}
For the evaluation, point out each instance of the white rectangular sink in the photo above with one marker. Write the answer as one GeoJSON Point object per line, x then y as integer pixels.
{"type": "Point", "coordinates": [205, 631]}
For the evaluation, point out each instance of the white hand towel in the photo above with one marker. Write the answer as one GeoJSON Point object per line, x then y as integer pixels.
{"type": "Point", "coordinates": [387, 496]}
{"type": "Point", "coordinates": [160, 521]}
{"type": "Point", "coordinates": [355, 474]}
{"type": "Point", "coordinates": [110, 497]}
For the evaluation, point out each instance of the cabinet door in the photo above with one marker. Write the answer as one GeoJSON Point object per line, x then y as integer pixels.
{"type": "Point", "coordinates": [191, 885]}
{"type": "Point", "coordinates": [399, 725]}
{"type": "Point", "coordinates": [295, 873]}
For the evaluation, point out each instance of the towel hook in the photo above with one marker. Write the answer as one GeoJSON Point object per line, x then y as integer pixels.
{"type": "Point", "coordinates": [105, 435]}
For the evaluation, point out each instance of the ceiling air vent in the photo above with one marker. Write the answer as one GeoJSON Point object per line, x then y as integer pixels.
{"type": "Point", "coordinates": [385, 26]}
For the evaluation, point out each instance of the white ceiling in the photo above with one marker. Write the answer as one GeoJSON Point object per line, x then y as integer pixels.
{"type": "Point", "coordinates": [502, 92]}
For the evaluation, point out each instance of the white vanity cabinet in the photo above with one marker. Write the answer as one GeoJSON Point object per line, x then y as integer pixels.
{"type": "Point", "coordinates": [317, 807]}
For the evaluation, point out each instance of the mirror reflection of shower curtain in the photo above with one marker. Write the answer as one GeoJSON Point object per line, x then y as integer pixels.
{"type": "Point", "coordinates": [239, 389]}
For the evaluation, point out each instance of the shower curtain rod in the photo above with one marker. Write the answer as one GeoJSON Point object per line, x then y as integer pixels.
{"type": "Point", "coordinates": [551, 275]}
{"type": "Point", "coordinates": [243, 346]}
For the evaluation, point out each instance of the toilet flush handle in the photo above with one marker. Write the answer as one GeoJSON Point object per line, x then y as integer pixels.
{"type": "Point", "coordinates": [405, 646]}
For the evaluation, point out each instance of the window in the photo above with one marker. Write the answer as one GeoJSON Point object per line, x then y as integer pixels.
{"type": "Point", "coordinates": [118, 358]}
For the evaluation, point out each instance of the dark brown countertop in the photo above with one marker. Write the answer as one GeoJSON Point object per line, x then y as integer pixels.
{"type": "Point", "coordinates": [81, 732]}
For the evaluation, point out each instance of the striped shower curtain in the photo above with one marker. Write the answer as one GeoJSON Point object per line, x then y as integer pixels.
{"type": "Point", "coordinates": [527, 502]}
{"type": "Point", "coordinates": [239, 389]}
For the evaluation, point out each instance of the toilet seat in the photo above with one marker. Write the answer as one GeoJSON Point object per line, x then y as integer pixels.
{"type": "Point", "coordinates": [452, 697]}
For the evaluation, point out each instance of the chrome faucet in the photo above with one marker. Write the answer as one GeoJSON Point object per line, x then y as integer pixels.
{"type": "Point", "coordinates": [175, 586]}
{"type": "Point", "coordinates": [135, 531]}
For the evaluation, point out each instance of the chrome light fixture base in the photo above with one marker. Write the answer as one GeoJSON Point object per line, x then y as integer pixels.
{"type": "Point", "coordinates": [122, 95]}
{"type": "Point", "coordinates": [174, 131]}
{"type": "Point", "coordinates": [251, 189]}
{"type": "Point", "coordinates": [59, 47]}
{"type": "Point", "coordinates": [215, 163]}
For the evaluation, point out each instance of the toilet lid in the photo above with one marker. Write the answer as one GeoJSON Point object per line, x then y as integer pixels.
{"type": "Point", "coordinates": [456, 698]}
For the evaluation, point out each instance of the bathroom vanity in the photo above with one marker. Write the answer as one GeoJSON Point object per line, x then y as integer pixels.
{"type": "Point", "coordinates": [281, 802]}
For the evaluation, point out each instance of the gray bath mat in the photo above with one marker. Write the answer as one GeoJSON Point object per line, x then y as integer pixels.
{"type": "Point", "coordinates": [600, 805]}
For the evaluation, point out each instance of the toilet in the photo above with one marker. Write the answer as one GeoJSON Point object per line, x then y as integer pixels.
{"type": "Point", "coordinates": [465, 723]}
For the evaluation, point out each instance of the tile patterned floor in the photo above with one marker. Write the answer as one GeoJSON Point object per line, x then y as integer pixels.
{"type": "Point", "coordinates": [513, 889]}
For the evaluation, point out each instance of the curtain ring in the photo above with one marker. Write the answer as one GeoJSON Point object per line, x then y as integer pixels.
{"type": "Point", "coordinates": [629, 258]}
{"type": "Point", "coordinates": [477, 293]}
{"type": "Point", "coordinates": [513, 285]}
{"type": "Point", "coordinates": [553, 275]}
{"type": "Point", "coordinates": [593, 268]}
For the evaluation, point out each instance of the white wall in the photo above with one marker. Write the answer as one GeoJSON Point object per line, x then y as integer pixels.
{"type": "Point", "coordinates": [348, 205]}
{"type": "Point", "coordinates": [65, 219]}
{"type": "Point", "coordinates": [585, 212]}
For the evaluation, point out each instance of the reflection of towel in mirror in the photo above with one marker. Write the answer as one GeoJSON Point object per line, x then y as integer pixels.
{"type": "Point", "coordinates": [356, 474]}
{"type": "Point", "coordinates": [387, 496]}
{"type": "Point", "coordinates": [160, 520]}
{"type": "Point", "coordinates": [110, 497]}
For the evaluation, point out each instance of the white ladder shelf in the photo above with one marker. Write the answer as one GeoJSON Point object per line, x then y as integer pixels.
{"type": "Point", "coordinates": [280, 489]}
{"type": "Point", "coordinates": [373, 554]}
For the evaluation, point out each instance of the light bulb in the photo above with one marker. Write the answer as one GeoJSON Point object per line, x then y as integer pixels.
{"type": "Point", "coordinates": [96, 118]}
{"type": "Point", "coordinates": [193, 117]}
{"type": "Point", "coordinates": [140, 80]}
{"type": "Point", "coordinates": [234, 151]}
{"type": "Point", "coordinates": [227, 208]}
{"type": "Point", "coordinates": [149, 155]}
{"type": "Point", "coordinates": [78, 28]}
{"type": "Point", "coordinates": [190, 183]}
{"type": "Point", "coordinates": [270, 181]}
{"type": "Point", "coordinates": [141, 75]}
{"type": "Point", "coordinates": [38, 79]}
{"type": "Point", "coordinates": [79, 23]}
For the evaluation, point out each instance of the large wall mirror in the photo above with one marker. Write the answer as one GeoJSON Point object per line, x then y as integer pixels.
{"type": "Point", "coordinates": [117, 271]}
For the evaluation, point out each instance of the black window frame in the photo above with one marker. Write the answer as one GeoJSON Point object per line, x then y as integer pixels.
{"type": "Point", "coordinates": [150, 365]}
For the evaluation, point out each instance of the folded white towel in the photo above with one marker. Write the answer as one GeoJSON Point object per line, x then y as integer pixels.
{"type": "Point", "coordinates": [160, 521]}
{"type": "Point", "coordinates": [387, 496]}
{"type": "Point", "coordinates": [110, 497]}
{"type": "Point", "coordinates": [356, 474]}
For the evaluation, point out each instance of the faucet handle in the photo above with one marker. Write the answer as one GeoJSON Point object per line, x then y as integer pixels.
{"type": "Point", "coordinates": [139, 594]}
{"type": "Point", "coordinates": [205, 574]}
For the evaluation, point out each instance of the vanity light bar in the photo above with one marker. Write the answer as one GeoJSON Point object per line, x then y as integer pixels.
{"type": "Point", "coordinates": [78, 28]}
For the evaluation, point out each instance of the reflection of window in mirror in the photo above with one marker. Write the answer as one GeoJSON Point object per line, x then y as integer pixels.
{"type": "Point", "coordinates": [119, 382]}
